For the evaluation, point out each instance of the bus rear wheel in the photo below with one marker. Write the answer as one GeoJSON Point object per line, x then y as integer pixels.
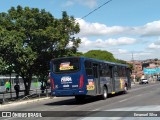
{"type": "Point", "coordinates": [125, 89]}
{"type": "Point", "coordinates": [105, 93]}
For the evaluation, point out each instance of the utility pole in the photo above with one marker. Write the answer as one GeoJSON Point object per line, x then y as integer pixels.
{"type": "Point", "coordinates": [134, 75]}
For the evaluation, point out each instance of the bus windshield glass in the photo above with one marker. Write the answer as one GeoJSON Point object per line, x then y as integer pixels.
{"type": "Point", "coordinates": [66, 65]}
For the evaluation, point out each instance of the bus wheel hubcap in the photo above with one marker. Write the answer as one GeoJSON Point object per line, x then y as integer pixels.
{"type": "Point", "coordinates": [125, 89]}
{"type": "Point", "coordinates": [105, 93]}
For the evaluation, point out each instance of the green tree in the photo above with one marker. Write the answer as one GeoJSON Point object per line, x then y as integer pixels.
{"type": "Point", "coordinates": [30, 37]}
{"type": "Point", "coordinates": [101, 55]}
{"type": "Point", "coordinates": [121, 61]}
{"type": "Point", "coordinates": [78, 54]}
{"type": "Point", "coordinates": [130, 66]}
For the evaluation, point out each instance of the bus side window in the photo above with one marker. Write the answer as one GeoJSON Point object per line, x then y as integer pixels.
{"type": "Point", "coordinates": [120, 71]}
{"type": "Point", "coordinates": [110, 72]}
{"type": "Point", "coordinates": [88, 68]}
{"type": "Point", "coordinates": [95, 70]}
{"type": "Point", "coordinates": [101, 70]}
{"type": "Point", "coordinates": [106, 70]}
{"type": "Point", "coordinates": [115, 71]}
{"type": "Point", "coordinates": [125, 72]}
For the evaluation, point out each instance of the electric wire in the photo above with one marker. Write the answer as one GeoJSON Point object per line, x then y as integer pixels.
{"type": "Point", "coordinates": [95, 9]}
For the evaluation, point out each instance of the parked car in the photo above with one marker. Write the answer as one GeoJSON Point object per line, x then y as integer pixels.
{"type": "Point", "coordinates": [158, 79]}
{"type": "Point", "coordinates": [143, 81]}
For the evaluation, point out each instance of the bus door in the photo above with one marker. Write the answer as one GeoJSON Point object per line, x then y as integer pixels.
{"type": "Point", "coordinates": [111, 69]}
{"type": "Point", "coordinates": [96, 77]}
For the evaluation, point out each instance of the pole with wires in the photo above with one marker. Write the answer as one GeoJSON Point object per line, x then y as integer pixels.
{"type": "Point", "coordinates": [95, 9]}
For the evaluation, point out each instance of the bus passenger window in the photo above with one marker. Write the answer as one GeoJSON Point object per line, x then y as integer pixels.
{"type": "Point", "coordinates": [95, 70]}
{"type": "Point", "coordinates": [110, 72]}
{"type": "Point", "coordinates": [88, 68]}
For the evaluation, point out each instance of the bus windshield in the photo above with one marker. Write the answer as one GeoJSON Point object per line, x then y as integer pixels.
{"type": "Point", "coordinates": [66, 65]}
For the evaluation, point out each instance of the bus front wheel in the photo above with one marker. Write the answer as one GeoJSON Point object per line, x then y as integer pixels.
{"type": "Point", "coordinates": [105, 93]}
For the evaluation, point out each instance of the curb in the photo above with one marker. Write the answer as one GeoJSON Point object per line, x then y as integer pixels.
{"type": "Point", "coordinates": [8, 104]}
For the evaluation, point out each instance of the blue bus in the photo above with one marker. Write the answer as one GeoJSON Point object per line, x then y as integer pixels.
{"type": "Point", "coordinates": [81, 77]}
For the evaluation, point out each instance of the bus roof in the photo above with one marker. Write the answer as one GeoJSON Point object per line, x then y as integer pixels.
{"type": "Point", "coordinates": [93, 59]}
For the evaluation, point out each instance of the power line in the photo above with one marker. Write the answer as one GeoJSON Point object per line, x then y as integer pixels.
{"type": "Point", "coordinates": [96, 9]}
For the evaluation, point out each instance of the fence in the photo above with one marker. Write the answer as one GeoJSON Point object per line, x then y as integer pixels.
{"type": "Point", "coordinates": [6, 97]}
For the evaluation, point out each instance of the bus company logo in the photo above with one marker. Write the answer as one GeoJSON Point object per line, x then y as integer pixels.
{"type": "Point", "coordinates": [66, 79]}
{"type": "Point", "coordinates": [6, 114]}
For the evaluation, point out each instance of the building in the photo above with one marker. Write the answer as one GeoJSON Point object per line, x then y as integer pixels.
{"type": "Point", "coordinates": [138, 67]}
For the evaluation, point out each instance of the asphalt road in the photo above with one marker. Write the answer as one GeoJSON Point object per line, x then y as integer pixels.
{"type": "Point", "coordinates": [139, 98]}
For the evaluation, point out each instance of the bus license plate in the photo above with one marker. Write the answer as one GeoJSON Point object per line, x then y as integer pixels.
{"type": "Point", "coordinates": [65, 85]}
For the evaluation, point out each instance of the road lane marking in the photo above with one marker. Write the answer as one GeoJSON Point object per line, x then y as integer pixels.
{"type": "Point", "coordinates": [52, 108]}
{"type": "Point", "coordinates": [123, 100]}
{"type": "Point", "coordinates": [96, 109]}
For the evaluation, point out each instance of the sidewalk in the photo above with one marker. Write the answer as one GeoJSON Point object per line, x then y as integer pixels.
{"type": "Point", "coordinates": [21, 102]}
{"type": "Point", "coordinates": [5, 98]}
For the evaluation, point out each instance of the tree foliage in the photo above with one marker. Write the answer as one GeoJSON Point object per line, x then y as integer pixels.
{"type": "Point", "coordinates": [30, 37]}
{"type": "Point", "coordinates": [101, 55]}
{"type": "Point", "coordinates": [104, 55]}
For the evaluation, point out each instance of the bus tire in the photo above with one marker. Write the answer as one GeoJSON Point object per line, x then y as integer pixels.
{"type": "Point", "coordinates": [125, 89]}
{"type": "Point", "coordinates": [105, 93]}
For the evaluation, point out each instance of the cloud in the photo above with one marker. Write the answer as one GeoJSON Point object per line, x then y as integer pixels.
{"type": "Point", "coordinates": [154, 46]}
{"type": "Point", "coordinates": [87, 3]}
{"type": "Point", "coordinates": [69, 3]}
{"type": "Point", "coordinates": [151, 29]}
{"type": "Point", "coordinates": [142, 55]}
{"type": "Point", "coordinates": [157, 42]}
{"type": "Point", "coordinates": [97, 29]}
{"type": "Point", "coordinates": [121, 41]}
{"type": "Point", "coordinates": [136, 55]}
{"type": "Point", "coordinates": [122, 51]}
{"type": "Point", "coordinates": [87, 44]}
{"type": "Point", "coordinates": [119, 51]}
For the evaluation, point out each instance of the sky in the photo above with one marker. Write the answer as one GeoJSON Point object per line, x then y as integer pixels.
{"type": "Point", "coordinates": [129, 29]}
